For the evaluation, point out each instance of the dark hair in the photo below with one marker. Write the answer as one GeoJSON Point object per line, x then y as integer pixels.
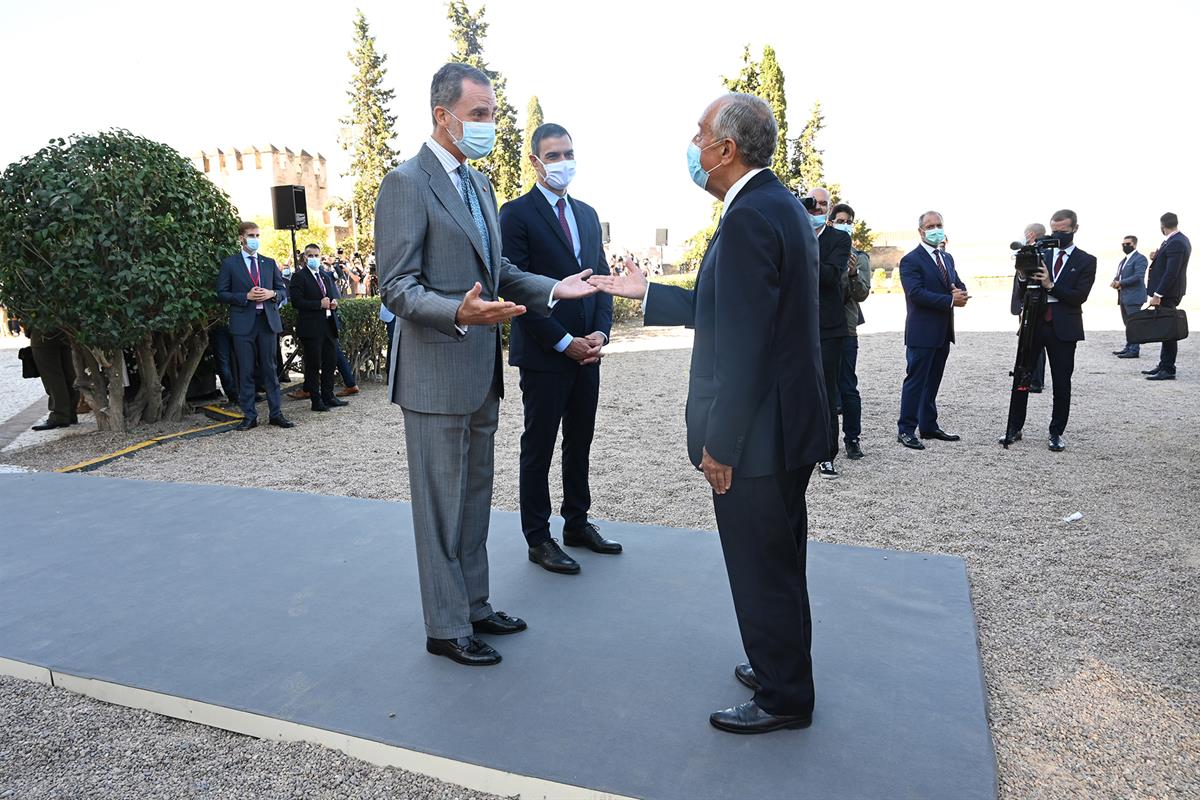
{"type": "Point", "coordinates": [311, 244]}
{"type": "Point", "coordinates": [547, 130]}
{"type": "Point", "coordinates": [246, 226]}
{"type": "Point", "coordinates": [1169, 220]}
{"type": "Point", "coordinates": [1067, 214]}
{"type": "Point", "coordinates": [1134, 240]}
{"type": "Point", "coordinates": [839, 208]}
{"type": "Point", "coordinates": [446, 88]}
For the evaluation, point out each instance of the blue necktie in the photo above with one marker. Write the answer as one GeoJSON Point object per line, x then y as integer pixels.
{"type": "Point", "coordinates": [472, 201]}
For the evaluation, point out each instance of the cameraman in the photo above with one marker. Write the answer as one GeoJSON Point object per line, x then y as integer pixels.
{"type": "Point", "coordinates": [1067, 274]}
{"type": "Point", "coordinates": [1033, 232]}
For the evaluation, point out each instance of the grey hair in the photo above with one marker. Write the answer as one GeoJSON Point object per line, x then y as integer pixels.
{"type": "Point", "coordinates": [1036, 228]}
{"type": "Point", "coordinates": [748, 121]}
{"type": "Point", "coordinates": [921, 219]}
{"type": "Point", "coordinates": [446, 89]}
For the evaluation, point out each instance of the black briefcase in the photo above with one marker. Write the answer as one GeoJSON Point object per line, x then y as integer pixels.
{"type": "Point", "coordinates": [1156, 324]}
{"type": "Point", "coordinates": [28, 365]}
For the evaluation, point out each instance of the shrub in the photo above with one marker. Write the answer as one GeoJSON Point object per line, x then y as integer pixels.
{"type": "Point", "coordinates": [363, 338]}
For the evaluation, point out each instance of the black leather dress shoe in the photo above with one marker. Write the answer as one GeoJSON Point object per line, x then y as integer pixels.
{"type": "Point", "coordinates": [1161, 376]}
{"type": "Point", "coordinates": [281, 421]}
{"type": "Point", "coordinates": [1154, 371]}
{"type": "Point", "coordinates": [589, 536]}
{"type": "Point", "coordinates": [49, 426]}
{"type": "Point", "coordinates": [910, 441]}
{"type": "Point", "coordinates": [333, 402]}
{"type": "Point", "coordinates": [749, 718]}
{"type": "Point", "coordinates": [319, 407]}
{"type": "Point", "coordinates": [499, 624]}
{"type": "Point", "coordinates": [1010, 438]}
{"type": "Point", "coordinates": [1119, 352]}
{"type": "Point", "coordinates": [745, 675]}
{"type": "Point", "coordinates": [466, 650]}
{"type": "Point", "coordinates": [246, 424]}
{"type": "Point", "coordinates": [940, 435]}
{"type": "Point", "coordinates": [1035, 388]}
{"type": "Point", "coordinates": [1128, 354]}
{"type": "Point", "coordinates": [1056, 443]}
{"type": "Point", "coordinates": [548, 555]}
{"type": "Point", "coordinates": [853, 450]}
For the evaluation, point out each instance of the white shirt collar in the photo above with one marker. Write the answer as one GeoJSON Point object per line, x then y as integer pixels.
{"type": "Point", "coordinates": [448, 161]}
{"type": "Point", "coordinates": [1169, 235]}
{"type": "Point", "coordinates": [550, 196]}
{"type": "Point", "coordinates": [737, 187]}
{"type": "Point", "coordinates": [929, 249]}
{"type": "Point", "coordinates": [1067, 250]}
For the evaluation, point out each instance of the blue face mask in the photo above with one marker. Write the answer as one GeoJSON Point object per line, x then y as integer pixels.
{"type": "Point", "coordinates": [313, 263]}
{"type": "Point", "coordinates": [699, 175]}
{"type": "Point", "coordinates": [477, 140]}
{"type": "Point", "coordinates": [252, 244]}
{"type": "Point", "coordinates": [817, 220]}
{"type": "Point", "coordinates": [845, 227]}
{"type": "Point", "coordinates": [935, 236]}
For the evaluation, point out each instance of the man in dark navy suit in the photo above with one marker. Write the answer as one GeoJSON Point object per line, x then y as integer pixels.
{"type": "Point", "coordinates": [932, 290]}
{"type": "Point", "coordinates": [546, 232]}
{"type": "Point", "coordinates": [757, 415]}
{"type": "Point", "coordinates": [252, 286]}
{"type": "Point", "coordinates": [1166, 287]}
{"type": "Point", "coordinates": [315, 295]}
{"type": "Point", "coordinates": [1067, 276]}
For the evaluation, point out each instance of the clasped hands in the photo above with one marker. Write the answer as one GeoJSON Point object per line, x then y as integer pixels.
{"type": "Point", "coordinates": [474, 310]}
{"type": "Point", "coordinates": [259, 294]}
{"type": "Point", "coordinates": [586, 349]}
{"type": "Point", "coordinates": [329, 303]}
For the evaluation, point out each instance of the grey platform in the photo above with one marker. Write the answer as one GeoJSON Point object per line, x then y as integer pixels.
{"type": "Point", "coordinates": [311, 613]}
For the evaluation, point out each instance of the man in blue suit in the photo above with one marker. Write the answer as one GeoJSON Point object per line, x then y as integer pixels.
{"type": "Point", "coordinates": [1067, 276]}
{"type": "Point", "coordinates": [253, 287]}
{"type": "Point", "coordinates": [757, 416]}
{"type": "Point", "coordinates": [546, 232]}
{"type": "Point", "coordinates": [1167, 285]}
{"type": "Point", "coordinates": [932, 290]}
{"type": "Point", "coordinates": [1130, 284]}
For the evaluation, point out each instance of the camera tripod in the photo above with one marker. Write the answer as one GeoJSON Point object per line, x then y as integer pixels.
{"type": "Point", "coordinates": [1033, 305]}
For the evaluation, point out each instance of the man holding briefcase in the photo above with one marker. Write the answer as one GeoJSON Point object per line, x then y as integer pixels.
{"type": "Point", "coordinates": [1166, 286]}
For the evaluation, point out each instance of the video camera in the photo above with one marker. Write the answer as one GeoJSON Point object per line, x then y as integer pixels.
{"type": "Point", "coordinates": [1031, 257]}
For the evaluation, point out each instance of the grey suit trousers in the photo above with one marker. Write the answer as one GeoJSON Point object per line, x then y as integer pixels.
{"type": "Point", "coordinates": [450, 474]}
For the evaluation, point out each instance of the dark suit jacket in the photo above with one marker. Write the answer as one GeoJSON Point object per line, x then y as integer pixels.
{"type": "Point", "coordinates": [1168, 273]}
{"type": "Point", "coordinates": [311, 321]}
{"type": "Point", "coordinates": [756, 396]}
{"type": "Point", "coordinates": [835, 281]}
{"type": "Point", "coordinates": [930, 320]}
{"type": "Point", "coordinates": [534, 241]}
{"type": "Point", "coordinates": [1071, 289]}
{"type": "Point", "coordinates": [233, 284]}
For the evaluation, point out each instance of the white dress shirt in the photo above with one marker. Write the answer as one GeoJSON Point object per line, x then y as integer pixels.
{"type": "Point", "coordinates": [246, 257]}
{"type": "Point", "coordinates": [1054, 260]}
{"type": "Point", "coordinates": [551, 198]}
{"type": "Point", "coordinates": [931, 251]}
{"type": "Point", "coordinates": [317, 277]}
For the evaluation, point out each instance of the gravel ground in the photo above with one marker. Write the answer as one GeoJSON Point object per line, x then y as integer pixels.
{"type": "Point", "coordinates": [1088, 629]}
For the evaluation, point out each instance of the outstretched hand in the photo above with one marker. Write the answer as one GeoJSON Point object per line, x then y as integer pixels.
{"type": "Point", "coordinates": [574, 287]}
{"type": "Point", "coordinates": [632, 284]}
{"type": "Point", "coordinates": [474, 310]}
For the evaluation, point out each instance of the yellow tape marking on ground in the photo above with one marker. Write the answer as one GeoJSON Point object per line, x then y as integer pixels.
{"type": "Point", "coordinates": [149, 443]}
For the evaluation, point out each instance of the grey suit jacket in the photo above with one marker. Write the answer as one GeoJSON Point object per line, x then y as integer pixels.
{"type": "Point", "coordinates": [1132, 278]}
{"type": "Point", "coordinates": [429, 254]}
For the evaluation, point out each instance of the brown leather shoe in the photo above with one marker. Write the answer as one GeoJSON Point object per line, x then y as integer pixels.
{"type": "Point", "coordinates": [349, 390]}
{"type": "Point", "coordinates": [299, 394]}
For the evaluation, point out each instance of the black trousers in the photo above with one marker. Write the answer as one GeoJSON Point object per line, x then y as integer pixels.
{"type": "Point", "coordinates": [1170, 350]}
{"type": "Point", "coordinates": [1062, 365]}
{"type": "Point", "coordinates": [763, 523]}
{"type": "Point", "coordinates": [550, 398]}
{"type": "Point", "coordinates": [320, 364]}
{"type": "Point", "coordinates": [52, 354]}
{"type": "Point", "coordinates": [257, 346]}
{"type": "Point", "coordinates": [831, 365]}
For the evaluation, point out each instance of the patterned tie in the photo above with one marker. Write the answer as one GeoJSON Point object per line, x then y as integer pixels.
{"type": "Point", "coordinates": [255, 278]}
{"type": "Point", "coordinates": [1058, 265]}
{"type": "Point", "coordinates": [472, 201]}
{"type": "Point", "coordinates": [561, 205]}
{"type": "Point", "coordinates": [942, 266]}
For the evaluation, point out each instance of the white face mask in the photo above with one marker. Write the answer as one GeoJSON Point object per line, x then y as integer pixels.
{"type": "Point", "coordinates": [559, 174]}
{"type": "Point", "coordinates": [845, 227]}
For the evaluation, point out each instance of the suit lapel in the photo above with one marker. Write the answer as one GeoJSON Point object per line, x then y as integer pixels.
{"type": "Point", "coordinates": [585, 232]}
{"type": "Point", "coordinates": [488, 208]}
{"type": "Point", "coordinates": [547, 213]}
{"type": "Point", "coordinates": [443, 189]}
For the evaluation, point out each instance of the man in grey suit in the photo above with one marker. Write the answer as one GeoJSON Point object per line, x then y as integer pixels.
{"type": "Point", "coordinates": [442, 274]}
{"type": "Point", "coordinates": [1130, 284]}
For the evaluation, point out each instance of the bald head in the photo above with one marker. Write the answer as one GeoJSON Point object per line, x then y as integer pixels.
{"type": "Point", "coordinates": [822, 196]}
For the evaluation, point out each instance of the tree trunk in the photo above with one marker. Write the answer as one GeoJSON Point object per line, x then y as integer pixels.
{"type": "Point", "coordinates": [148, 406]}
{"type": "Point", "coordinates": [115, 379]}
{"type": "Point", "coordinates": [186, 357]}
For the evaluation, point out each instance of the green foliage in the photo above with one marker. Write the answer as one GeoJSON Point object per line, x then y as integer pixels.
{"type": "Point", "coordinates": [862, 238]}
{"type": "Point", "coordinates": [372, 130]}
{"type": "Point", "coordinates": [748, 78]}
{"type": "Point", "coordinates": [693, 252]}
{"type": "Point", "coordinates": [808, 165]}
{"type": "Point", "coordinates": [278, 244]}
{"type": "Point", "coordinates": [116, 239]}
{"type": "Point", "coordinates": [503, 166]}
{"type": "Point", "coordinates": [771, 89]}
{"type": "Point", "coordinates": [533, 119]}
{"type": "Point", "coordinates": [363, 337]}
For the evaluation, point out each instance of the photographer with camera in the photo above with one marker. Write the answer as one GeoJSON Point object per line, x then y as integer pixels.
{"type": "Point", "coordinates": [1066, 274]}
{"type": "Point", "coordinates": [1033, 232]}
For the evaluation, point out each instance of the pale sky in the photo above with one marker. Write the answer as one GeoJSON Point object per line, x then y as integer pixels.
{"type": "Point", "coordinates": [995, 114]}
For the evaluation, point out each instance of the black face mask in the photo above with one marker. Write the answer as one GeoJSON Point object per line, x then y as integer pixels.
{"type": "Point", "coordinates": [1128, 248]}
{"type": "Point", "coordinates": [1065, 238]}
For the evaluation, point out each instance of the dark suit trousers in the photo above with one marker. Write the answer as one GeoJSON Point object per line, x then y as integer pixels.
{"type": "Point", "coordinates": [52, 354]}
{"type": "Point", "coordinates": [831, 365]}
{"type": "Point", "coordinates": [1062, 365]}
{"type": "Point", "coordinates": [849, 398]}
{"type": "Point", "coordinates": [320, 364]}
{"type": "Point", "coordinates": [550, 398]}
{"type": "Point", "coordinates": [257, 346]}
{"type": "Point", "coordinates": [1170, 350]}
{"type": "Point", "coordinates": [221, 341]}
{"type": "Point", "coordinates": [763, 523]}
{"type": "Point", "coordinates": [1126, 310]}
{"type": "Point", "coordinates": [918, 395]}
